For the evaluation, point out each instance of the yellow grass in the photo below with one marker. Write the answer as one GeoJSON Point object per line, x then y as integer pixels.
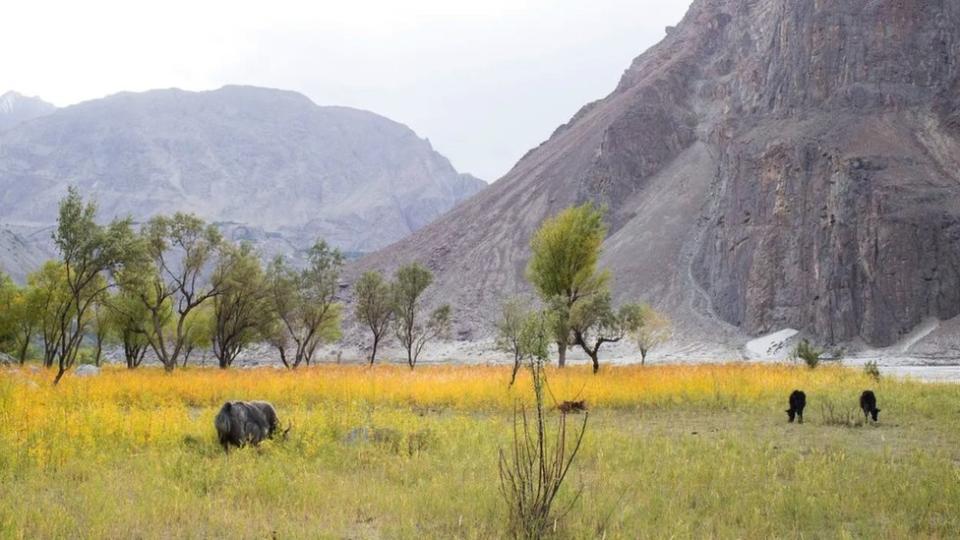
{"type": "Point", "coordinates": [133, 453]}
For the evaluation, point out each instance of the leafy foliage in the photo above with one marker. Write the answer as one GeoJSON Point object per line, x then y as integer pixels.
{"type": "Point", "coordinates": [594, 322]}
{"type": "Point", "coordinates": [8, 294]}
{"type": "Point", "coordinates": [129, 321]}
{"type": "Point", "coordinates": [655, 329]}
{"type": "Point", "coordinates": [808, 353]}
{"type": "Point", "coordinates": [409, 284]}
{"type": "Point", "coordinates": [870, 369]}
{"type": "Point", "coordinates": [90, 254]}
{"type": "Point", "coordinates": [242, 311]}
{"type": "Point", "coordinates": [374, 307]}
{"type": "Point", "coordinates": [563, 270]}
{"type": "Point", "coordinates": [510, 331]}
{"type": "Point", "coordinates": [304, 304]}
{"type": "Point", "coordinates": [182, 250]}
{"type": "Point", "coordinates": [565, 250]}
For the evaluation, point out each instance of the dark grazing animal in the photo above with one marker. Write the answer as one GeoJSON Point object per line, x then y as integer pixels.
{"type": "Point", "coordinates": [798, 400]}
{"type": "Point", "coordinates": [241, 422]}
{"type": "Point", "coordinates": [868, 402]}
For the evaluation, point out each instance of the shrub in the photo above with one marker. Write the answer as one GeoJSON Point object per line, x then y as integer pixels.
{"type": "Point", "coordinates": [532, 476]}
{"type": "Point", "coordinates": [837, 415]}
{"type": "Point", "coordinates": [870, 369]}
{"type": "Point", "coordinates": [808, 353]}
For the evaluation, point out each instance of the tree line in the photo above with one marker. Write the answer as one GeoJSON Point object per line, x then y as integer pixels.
{"type": "Point", "coordinates": [175, 285]}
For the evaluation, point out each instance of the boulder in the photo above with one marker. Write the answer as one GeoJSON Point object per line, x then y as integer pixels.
{"type": "Point", "coordinates": [87, 370]}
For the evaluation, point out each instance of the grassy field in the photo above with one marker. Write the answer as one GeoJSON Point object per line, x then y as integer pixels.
{"type": "Point", "coordinates": [670, 451]}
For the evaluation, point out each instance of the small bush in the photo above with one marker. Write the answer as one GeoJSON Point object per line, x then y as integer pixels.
{"type": "Point", "coordinates": [837, 415]}
{"type": "Point", "coordinates": [808, 353]}
{"type": "Point", "coordinates": [533, 470]}
{"type": "Point", "coordinates": [85, 356]}
{"type": "Point", "coordinates": [870, 369]}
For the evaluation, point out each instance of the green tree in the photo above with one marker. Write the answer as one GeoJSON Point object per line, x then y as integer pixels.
{"type": "Point", "coordinates": [129, 320]}
{"type": "Point", "coordinates": [374, 307]}
{"type": "Point", "coordinates": [100, 325]}
{"type": "Point", "coordinates": [594, 322]}
{"type": "Point", "coordinates": [409, 284]}
{"type": "Point", "coordinates": [182, 250]}
{"type": "Point", "coordinates": [90, 253]}
{"type": "Point", "coordinates": [563, 266]}
{"type": "Point", "coordinates": [198, 331]}
{"type": "Point", "coordinates": [510, 326]}
{"type": "Point", "coordinates": [242, 311]}
{"type": "Point", "coordinates": [304, 304]}
{"type": "Point", "coordinates": [655, 330]}
{"type": "Point", "coordinates": [48, 293]}
{"type": "Point", "coordinates": [8, 294]}
{"type": "Point", "coordinates": [25, 316]}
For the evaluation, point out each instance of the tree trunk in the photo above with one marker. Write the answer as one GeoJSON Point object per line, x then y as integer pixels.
{"type": "Point", "coordinates": [643, 357]}
{"type": "Point", "coordinates": [516, 368]}
{"type": "Point", "coordinates": [186, 356]}
{"type": "Point", "coordinates": [562, 353]}
{"type": "Point", "coordinates": [96, 359]}
{"type": "Point", "coordinates": [23, 351]}
{"type": "Point", "coordinates": [60, 371]}
{"type": "Point", "coordinates": [373, 354]}
{"type": "Point", "coordinates": [596, 362]}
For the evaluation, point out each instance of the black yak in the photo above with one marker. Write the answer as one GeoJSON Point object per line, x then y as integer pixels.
{"type": "Point", "coordinates": [798, 400]}
{"type": "Point", "coordinates": [242, 422]}
{"type": "Point", "coordinates": [868, 402]}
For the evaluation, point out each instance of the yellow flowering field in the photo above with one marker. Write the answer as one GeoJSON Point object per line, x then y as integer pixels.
{"type": "Point", "coordinates": [671, 451]}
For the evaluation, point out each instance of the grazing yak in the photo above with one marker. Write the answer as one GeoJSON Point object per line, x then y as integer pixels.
{"type": "Point", "coordinates": [242, 422]}
{"type": "Point", "coordinates": [868, 402]}
{"type": "Point", "coordinates": [798, 400]}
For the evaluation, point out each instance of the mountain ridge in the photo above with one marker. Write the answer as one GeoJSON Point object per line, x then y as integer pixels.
{"type": "Point", "coordinates": [15, 109]}
{"type": "Point", "coordinates": [751, 163]}
{"type": "Point", "coordinates": [269, 162]}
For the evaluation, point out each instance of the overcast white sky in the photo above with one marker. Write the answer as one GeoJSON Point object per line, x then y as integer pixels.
{"type": "Point", "coordinates": [484, 80]}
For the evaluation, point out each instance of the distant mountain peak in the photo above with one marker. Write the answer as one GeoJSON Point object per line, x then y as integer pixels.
{"type": "Point", "coordinates": [282, 169]}
{"type": "Point", "coordinates": [16, 108]}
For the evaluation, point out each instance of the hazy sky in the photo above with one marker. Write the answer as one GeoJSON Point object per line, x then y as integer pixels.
{"type": "Point", "coordinates": [484, 80]}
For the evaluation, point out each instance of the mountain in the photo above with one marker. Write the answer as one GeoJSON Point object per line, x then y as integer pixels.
{"type": "Point", "coordinates": [268, 165]}
{"type": "Point", "coordinates": [16, 109]}
{"type": "Point", "coordinates": [769, 164]}
{"type": "Point", "coordinates": [22, 252]}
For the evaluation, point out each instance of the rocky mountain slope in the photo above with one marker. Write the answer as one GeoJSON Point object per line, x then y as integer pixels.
{"type": "Point", "coordinates": [16, 109]}
{"type": "Point", "coordinates": [269, 165]}
{"type": "Point", "coordinates": [24, 251]}
{"type": "Point", "coordinates": [769, 164]}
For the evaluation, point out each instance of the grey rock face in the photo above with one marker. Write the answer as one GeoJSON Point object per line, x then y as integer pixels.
{"type": "Point", "coordinates": [86, 370]}
{"type": "Point", "coordinates": [7, 360]}
{"type": "Point", "coordinates": [769, 164]}
{"type": "Point", "coordinates": [21, 252]}
{"type": "Point", "coordinates": [16, 109]}
{"type": "Point", "coordinates": [266, 160]}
